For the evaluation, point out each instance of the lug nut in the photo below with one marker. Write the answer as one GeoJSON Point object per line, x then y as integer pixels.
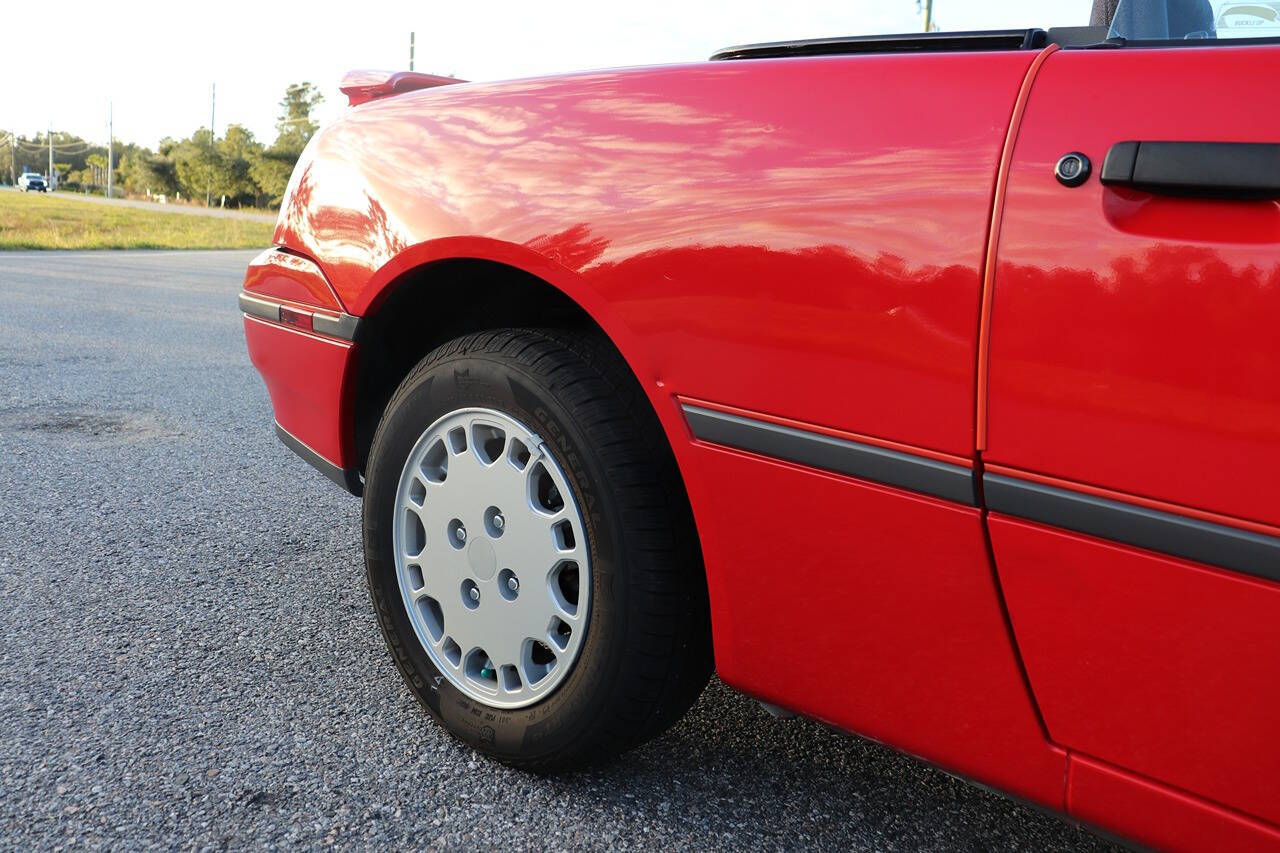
{"type": "Point", "coordinates": [499, 522]}
{"type": "Point", "coordinates": [461, 534]}
{"type": "Point", "coordinates": [474, 593]}
{"type": "Point", "coordinates": [513, 584]}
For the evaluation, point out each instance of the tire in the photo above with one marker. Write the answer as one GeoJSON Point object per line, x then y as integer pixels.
{"type": "Point", "coordinates": [644, 642]}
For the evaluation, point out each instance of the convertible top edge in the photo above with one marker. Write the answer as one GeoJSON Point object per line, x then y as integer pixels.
{"type": "Point", "coordinates": [1028, 39]}
{"type": "Point", "coordinates": [977, 40]}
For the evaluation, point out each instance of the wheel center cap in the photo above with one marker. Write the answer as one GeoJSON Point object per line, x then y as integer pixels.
{"type": "Point", "coordinates": [483, 561]}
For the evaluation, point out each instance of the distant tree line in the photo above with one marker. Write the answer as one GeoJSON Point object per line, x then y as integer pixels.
{"type": "Point", "coordinates": [246, 171]}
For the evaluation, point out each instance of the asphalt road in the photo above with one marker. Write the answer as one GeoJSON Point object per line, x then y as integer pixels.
{"type": "Point", "coordinates": [188, 657]}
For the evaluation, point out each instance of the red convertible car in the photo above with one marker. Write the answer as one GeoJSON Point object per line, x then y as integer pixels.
{"type": "Point", "coordinates": [928, 386]}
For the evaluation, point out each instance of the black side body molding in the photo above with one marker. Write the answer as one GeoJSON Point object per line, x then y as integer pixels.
{"type": "Point", "coordinates": [348, 478]}
{"type": "Point", "coordinates": [343, 326]}
{"type": "Point", "coordinates": [263, 309]}
{"type": "Point", "coordinates": [841, 456]}
{"type": "Point", "coordinates": [902, 43]}
{"type": "Point", "coordinates": [1178, 536]}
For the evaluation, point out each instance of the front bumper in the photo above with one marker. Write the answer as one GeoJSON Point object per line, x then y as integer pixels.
{"type": "Point", "coordinates": [306, 355]}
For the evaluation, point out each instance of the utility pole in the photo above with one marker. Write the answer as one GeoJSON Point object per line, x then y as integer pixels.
{"type": "Point", "coordinates": [111, 144]}
{"type": "Point", "coordinates": [411, 50]}
{"type": "Point", "coordinates": [13, 159]}
{"type": "Point", "coordinates": [213, 101]}
{"type": "Point", "coordinates": [50, 155]}
{"type": "Point", "coordinates": [928, 16]}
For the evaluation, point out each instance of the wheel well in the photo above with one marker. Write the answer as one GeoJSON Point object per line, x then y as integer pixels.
{"type": "Point", "coordinates": [434, 304]}
{"type": "Point", "coordinates": [444, 300]}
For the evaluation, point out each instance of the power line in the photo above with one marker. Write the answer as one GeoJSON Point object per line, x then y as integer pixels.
{"type": "Point", "coordinates": [30, 147]}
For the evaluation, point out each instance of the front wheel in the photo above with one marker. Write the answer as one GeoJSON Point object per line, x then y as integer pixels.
{"type": "Point", "coordinates": [530, 550]}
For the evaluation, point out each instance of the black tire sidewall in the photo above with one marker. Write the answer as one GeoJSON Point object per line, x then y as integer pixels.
{"type": "Point", "coordinates": [483, 380]}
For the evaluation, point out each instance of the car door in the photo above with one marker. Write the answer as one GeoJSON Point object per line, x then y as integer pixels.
{"type": "Point", "coordinates": [1132, 447]}
{"type": "Point", "coordinates": [824, 365]}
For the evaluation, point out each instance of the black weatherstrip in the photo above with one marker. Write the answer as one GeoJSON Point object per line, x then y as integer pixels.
{"type": "Point", "coordinates": [865, 461]}
{"type": "Point", "coordinates": [1176, 535]}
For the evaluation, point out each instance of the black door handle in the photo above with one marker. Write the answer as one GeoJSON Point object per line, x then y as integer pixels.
{"type": "Point", "coordinates": [1228, 170]}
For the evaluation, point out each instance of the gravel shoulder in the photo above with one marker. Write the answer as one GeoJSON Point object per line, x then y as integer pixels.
{"type": "Point", "coordinates": [188, 657]}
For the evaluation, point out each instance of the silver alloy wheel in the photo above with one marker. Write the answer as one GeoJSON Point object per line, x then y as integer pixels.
{"type": "Point", "coordinates": [491, 557]}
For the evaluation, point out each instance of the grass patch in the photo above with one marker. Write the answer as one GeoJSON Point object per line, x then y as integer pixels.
{"type": "Point", "coordinates": [39, 221]}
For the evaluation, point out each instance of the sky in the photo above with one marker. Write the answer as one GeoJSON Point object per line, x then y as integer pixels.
{"type": "Point", "coordinates": [154, 62]}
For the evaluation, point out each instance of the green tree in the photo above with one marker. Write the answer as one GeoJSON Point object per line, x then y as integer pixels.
{"type": "Point", "coordinates": [196, 164]}
{"type": "Point", "coordinates": [8, 167]}
{"type": "Point", "coordinates": [295, 127]}
{"type": "Point", "coordinates": [237, 152]}
{"type": "Point", "coordinates": [271, 170]}
{"type": "Point", "coordinates": [142, 171]}
{"type": "Point", "coordinates": [94, 173]}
